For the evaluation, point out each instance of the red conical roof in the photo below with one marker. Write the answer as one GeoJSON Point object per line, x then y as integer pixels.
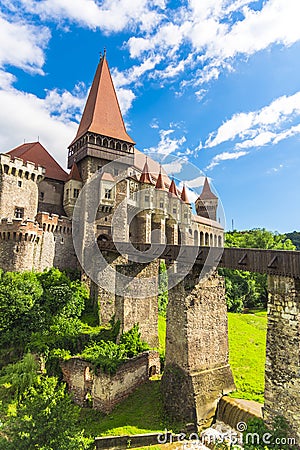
{"type": "Point", "coordinates": [206, 193]}
{"type": "Point", "coordinates": [160, 182]}
{"type": "Point", "coordinates": [74, 174]}
{"type": "Point", "coordinates": [102, 114]}
{"type": "Point", "coordinates": [184, 196]}
{"type": "Point", "coordinates": [36, 153]}
{"type": "Point", "coordinates": [172, 188]}
{"type": "Point", "coordinates": [146, 176]}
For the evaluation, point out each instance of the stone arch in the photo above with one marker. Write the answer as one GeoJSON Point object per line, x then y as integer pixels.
{"type": "Point", "coordinates": [152, 371]}
{"type": "Point", "coordinates": [196, 237]}
{"type": "Point", "coordinates": [124, 147]}
{"type": "Point", "coordinates": [206, 242]}
{"type": "Point", "coordinates": [118, 146]}
{"type": "Point", "coordinates": [219, 241]}
{"type": "Point", "coordinates": [105, 143]}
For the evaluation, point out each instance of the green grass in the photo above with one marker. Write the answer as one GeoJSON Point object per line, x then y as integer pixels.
{"type": "Point", "coordinates": [247, 350]}
{"type": "Point", "coordinates": [141, 412]}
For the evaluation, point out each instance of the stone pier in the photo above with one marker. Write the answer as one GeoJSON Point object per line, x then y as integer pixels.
{"type": "Point", "coordinates": [282, 376]}
{"type": "Point", "coordinates": [197, 373]}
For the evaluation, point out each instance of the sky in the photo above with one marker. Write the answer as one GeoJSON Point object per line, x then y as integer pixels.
{"type": "Point", "coordinates": [211, 84]}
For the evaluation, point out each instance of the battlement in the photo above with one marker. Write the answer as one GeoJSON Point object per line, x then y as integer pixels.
{"type": "Point", "coordinates": [54, 223]}
{"type": "Point", "coordinates": [19, 230]}
{"type": "Point", "coordinates": [18, 167]}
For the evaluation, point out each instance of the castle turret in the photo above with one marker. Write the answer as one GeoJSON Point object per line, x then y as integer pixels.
{"type": "Point", "coordinates": [101, 135]}
{"type": "Point", "coordinates": [72, 189]}
{"type": "Point", "coordinates": [207, 203]}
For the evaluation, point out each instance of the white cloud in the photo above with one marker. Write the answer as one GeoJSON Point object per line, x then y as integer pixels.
{"type": "Point", "coordinates": [176, 166]}
{"type": "Point", "coordinates": [108, 15]}
{"type": "Point", "coordinates": [225, 156]}
{"type": "Point", "coordinates": [22, 45]}
{"type": "Point", "coordinates": [167, 144]}
{"type": "Point", "coordinates": [270, 124]}
{"type": "Point", "coordinates": [49, 119]}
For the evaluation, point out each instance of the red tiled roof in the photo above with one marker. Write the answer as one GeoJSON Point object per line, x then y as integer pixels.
{"type": "Point", "coordinates": [146, 176]}
{"type": "Point", "coordinates": [160, 182]}
{"type": "Point", "coordinates": [184, 196]}
{"type": "Point", "coordinates": [173, 189]}
{"type": "Point", "coordinates": [102, 112]}
{"type": "Point", "coordinates": [36, 153]}
{"type": "Point", "coordinates": [206, 193]}
{"type": "Point", "coordinates": [74, 174]}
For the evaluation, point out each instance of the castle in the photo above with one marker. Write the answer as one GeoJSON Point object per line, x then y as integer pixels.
{"type": "Point", "coordinates": [37, 196]}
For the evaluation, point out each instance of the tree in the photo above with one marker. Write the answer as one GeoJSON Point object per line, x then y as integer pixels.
{"type": "Point", "coordinates": [247, 289]}
{"type": "Point", "coordinates": [46, 420]}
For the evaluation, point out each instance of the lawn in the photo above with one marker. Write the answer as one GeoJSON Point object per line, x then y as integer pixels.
{"type": "Point", "coordinates": [142, 412]}
{"type": "Point", "coordinates": [247, 350]}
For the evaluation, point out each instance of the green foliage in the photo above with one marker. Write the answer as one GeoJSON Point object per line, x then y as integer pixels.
{"type": "Point", "coordinates": [132, 342]}
{"type": "Point", "coordinates": [20, 376]}
{"type": "Point", "coordinates": [295, 238]}
{"type": "Point", "coordinates": [246, 289]}
{"type": "Point", "coordinates": [108, 356]}
{"type": "Point", "coordinates": [260, 437]}
{"type": "Point", "coordinates": [45, 420]}
{"type": "Point", "coordinates": [162, 289]}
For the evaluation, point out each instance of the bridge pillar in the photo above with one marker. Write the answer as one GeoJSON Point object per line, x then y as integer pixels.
{"type": "Point", "coordinates": [197, 372]}
{"type": "Point", "coordinates": [282, 376]}
{"type": "Point", "coordinates": [158, 228]}
{"type": "Point", "coordinates": [131, 309]}
{"type": "Point", "coordinates": [172, 231]}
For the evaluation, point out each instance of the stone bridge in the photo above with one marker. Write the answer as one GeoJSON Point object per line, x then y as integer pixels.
{"type": "Point", "coordinates": [197, 372]}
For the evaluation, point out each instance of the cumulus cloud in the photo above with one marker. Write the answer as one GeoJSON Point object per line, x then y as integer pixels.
{"type": "Point", "coordinates": [22, 45]}
{"type": "Point", "coordinates": [225, 156]}
{"type": "Point", "coordinates": [167, 143]}
{"type": "Point", "coordinates": [270, 124]}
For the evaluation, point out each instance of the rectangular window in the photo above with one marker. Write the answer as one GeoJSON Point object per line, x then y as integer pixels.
{"type": "Point", "coordinates": [42, 195]}
{"type": "Point", "coordinates": [107, 194]}
{"type": "Point", "coordinates": [19, 183]}
{"type": "Point", "coordinates": [147, 198]}
{"type": "Point", "coordinates": [76, 193]}
{"type": "Point", "coordinates": [19, 213]}
{"type": "Point", "coordinates": [174, 210]}
{"type": "Point", "coordinates": [161, 205]}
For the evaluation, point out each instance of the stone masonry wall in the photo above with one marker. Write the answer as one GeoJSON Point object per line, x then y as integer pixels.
{"type": "Point", "coordinates": [282, 376]}
{"type": "Point", "coordinates": [130, 309]}
{"type": "Point", "coordinates": [197, 372]}
{"type": "Point", "coordinates": [107, 390]}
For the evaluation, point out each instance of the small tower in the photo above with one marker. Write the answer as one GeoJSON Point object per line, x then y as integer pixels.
{"type": "Point", "coordinates": [72, 189]}
{"type": "Point", "coordinates": [207, 203]}
{"type": "Point", "coordinates": [101, 135]}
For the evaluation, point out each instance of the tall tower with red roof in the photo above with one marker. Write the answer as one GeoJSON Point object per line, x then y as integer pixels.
{"type": "Point", "coordinates": [207, 202]}
{"type": "Point", "coordinates": [101, 135]}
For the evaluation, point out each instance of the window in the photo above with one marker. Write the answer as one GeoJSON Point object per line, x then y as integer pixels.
{"type": "Point", "coordinates": [174, 210]}
{"type": "Point", "coordinates": [76, 193]}
{"type": "Point", "coordinates": [13, 171]}
{"type": "Point", "coordinates": [107, 194]}
{"type": "Point", "coordinates": [19, 212]}
{"type": "Point", "coordinates": [19, 183]}
{"type": "Point", "coordinates": [161, 205]}
{"type": "Point", "coordinates": [147, 198]}
{"type": "Point", "coordinates": [42, 195]}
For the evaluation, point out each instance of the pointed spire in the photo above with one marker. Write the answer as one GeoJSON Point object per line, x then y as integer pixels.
{"type": "Point", "coordinates": [184, 196]}
{"type": "Point", "coordinates": [146, 176]}
{"type": "Point", "coordinates": [102, 114]}
{"type": "Point", "coordinates": [206, 191]}
{"type": "Point", "coordinates": [173, 188]}
{"type": "Point", "coordinates": [160, 182]}
{"type": "Point", "coordinates": [74, 174]}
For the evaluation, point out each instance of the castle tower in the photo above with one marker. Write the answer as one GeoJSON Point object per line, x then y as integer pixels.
{"type": "Point", "coordinates": [72, 189]}
{"type": "Point", "coordinates": [101, 135]}
{"type": "Point", "coordinates": [207, 203]}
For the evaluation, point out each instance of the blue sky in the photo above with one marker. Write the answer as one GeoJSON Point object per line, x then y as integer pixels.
{"type": "Point", "coordinates": [215, 82]}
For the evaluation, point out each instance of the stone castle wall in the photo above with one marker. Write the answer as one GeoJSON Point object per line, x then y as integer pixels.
{"type": "Point", "coordinates": [107, 390]}
{"type": "Point", "coordinates": [282, 376]}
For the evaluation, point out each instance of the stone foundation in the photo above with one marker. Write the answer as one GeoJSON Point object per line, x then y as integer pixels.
{"type": "Point", "coordinates": [282, 377]}
{"type": "Point", "coordinates": [197, 372]}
